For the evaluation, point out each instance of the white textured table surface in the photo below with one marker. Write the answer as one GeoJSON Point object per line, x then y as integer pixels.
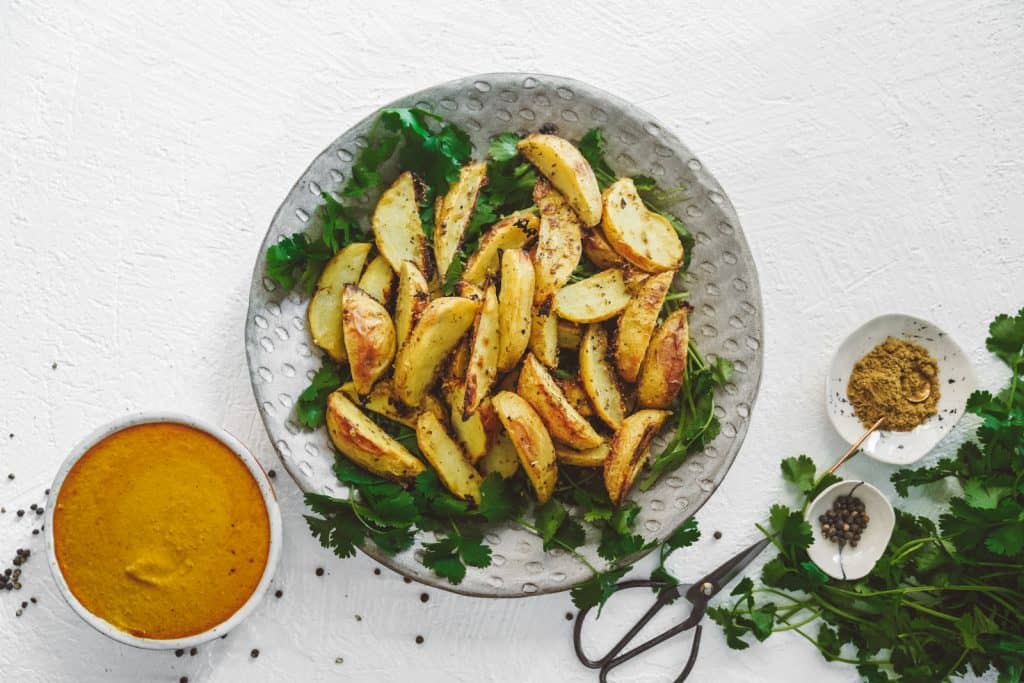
{"type": "Point", "coordinates": [874, 156]}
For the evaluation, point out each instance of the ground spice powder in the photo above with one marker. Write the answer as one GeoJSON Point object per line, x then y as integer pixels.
{"type": "Point", "coordinates": [887, 381]}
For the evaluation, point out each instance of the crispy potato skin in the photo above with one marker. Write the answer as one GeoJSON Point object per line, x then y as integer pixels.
{"type": "Point", "coordinates": [363, 442]}
{"type": "Point", "coordinates": [642, 237]}
{"type": "Point", "coordinates": [531, 440]}
{"type": "Point", "coordinates": [369, 337]}
{"type": "Point", "coordinates": [598, 378]}
{"type": "Point", "coordinates": [456, 212]}
{"type": "Point", "coordinates": [447, 458]}
{"type": "Point", "coordinates": [324, 311]}
{"type": "Point", "coordinates": [558, 247]}
{"type": "Point", "coordinates": [576, 395]}
{"type": "Point", "coordinates": [502, 458]}
{"type": "Point", "coordinates": [562, 164]}
{"type": "Point", "coordinates": [597, 249]}
{"type": "Point", "coordinates": [562, 420]}
{"type": "Point", "coordinates": [637, 322]}
{"type": "Point", "coordinates": [544, 333]}
{"type": "Point", "coordinates": [514, 231]}
{"type": "Point", "coordinates": [381, 400]}
{"type": "Point", "coordinates": [476, 432]}
{"type": "Point", "coordinates": [441, 327]}
{"type": "Point", "coordinates": [378, 280]}
{"type": "Point", "coordinates": [597, 298]}
{"type": "Point", "coordinates": [664, 366]}
{"type": "Point", "coordinates": [628, 451]}
{"type": "Point", "coordinates": [397, 229]}
{"type": "Point", "coordinates": [413, 296]}
{"type": "Point", "coordinates": [482, 369]}
{"type": "Point", "coordinates": [514, 307]}
{"type": "Point", "coordinates": [592, 457]}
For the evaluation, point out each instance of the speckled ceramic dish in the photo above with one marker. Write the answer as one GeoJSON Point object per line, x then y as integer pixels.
{"type": "Point", "coordinates": [723, 284]}
{"type": "Point", "coordinates": [956, 382]}
{"type": "Point", "coordinates": [848, 562]}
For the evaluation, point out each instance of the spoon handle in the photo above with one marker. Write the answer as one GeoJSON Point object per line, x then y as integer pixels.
{"type": "Point", "coordinates": [853, 449]}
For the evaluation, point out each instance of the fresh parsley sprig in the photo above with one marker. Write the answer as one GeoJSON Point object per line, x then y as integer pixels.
{"type": "Point", "coordinates": [944, 599]}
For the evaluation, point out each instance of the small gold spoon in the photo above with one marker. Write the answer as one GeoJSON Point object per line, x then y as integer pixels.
{"type": "Point", "coordinates": [853, 449]}
{"type": "Point", "coordinates": [920, 391]}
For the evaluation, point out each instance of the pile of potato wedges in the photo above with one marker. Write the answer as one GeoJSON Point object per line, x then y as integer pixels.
{"type": "Point", "coordinates": [475, 374]}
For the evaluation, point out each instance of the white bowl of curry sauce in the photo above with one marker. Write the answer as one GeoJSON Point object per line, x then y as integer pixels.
{"type": "Point", "coordinates": [162, 531]}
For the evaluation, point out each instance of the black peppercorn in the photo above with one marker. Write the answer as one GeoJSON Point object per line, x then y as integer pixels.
{"type": "Point", "coordinates": [255, 653]}
{"type": "Point", "coordinates": [419, 640]}
{"type": "Point", "coordinates": [319, 571]}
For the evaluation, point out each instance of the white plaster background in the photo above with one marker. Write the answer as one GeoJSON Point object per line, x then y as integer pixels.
{"type": "Point", "coordinates": [873, 153]}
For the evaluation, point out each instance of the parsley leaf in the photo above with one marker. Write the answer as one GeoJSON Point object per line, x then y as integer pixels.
{"type": "Point", "coordinates": [595, 591]}
{"type": "Point", "coordinates": [498, 502]}
{"type": "Point", "coordinates": [449, 556]}
{"type": "Point", "coordinates": [503, 147]}
{"type": "Point", "coordinates": [312, 402]}
{"type": "Point", "coordinates": [296, 260]}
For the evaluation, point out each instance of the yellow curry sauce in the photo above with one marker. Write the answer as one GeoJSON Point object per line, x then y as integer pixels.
{"type": "Point", "coordinates": [161, 530]}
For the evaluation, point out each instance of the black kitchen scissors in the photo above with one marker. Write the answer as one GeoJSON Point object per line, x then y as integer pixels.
{"type": "Point", "coordinates": [698, 594]}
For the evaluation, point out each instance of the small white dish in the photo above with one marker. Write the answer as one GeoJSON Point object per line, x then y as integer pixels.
{"type": "Point", "coordinates": [956, 382]}
{"type": "Point", "coordinates": [847, 562]}
{"type": "Point", "coordinates": [266, 492]}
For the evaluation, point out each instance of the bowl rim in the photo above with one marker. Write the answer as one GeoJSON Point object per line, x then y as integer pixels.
{"type": "Point", "coordinates": [855, 334]}
{"type": "Point", "coordinates": [266, 492]}
{"type": "Point", "coordinates": [890, 520]}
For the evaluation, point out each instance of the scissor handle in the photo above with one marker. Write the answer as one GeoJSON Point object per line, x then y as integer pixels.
{"type": "Point", "coordinates": [664, 598]}
{"type": "Point", "coordinates": [690, 661]}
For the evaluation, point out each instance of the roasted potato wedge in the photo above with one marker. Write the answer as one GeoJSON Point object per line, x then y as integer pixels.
{"type": "Point", "coordinates": [413, 296]}
{"type": "Point", "coordinates": [324, 312]}
{"type": "Point", "coordinates": [598, 378]}
{"type": "Point", "coordinates": [564, 422]}
{"type": "Point", "coordinates": [363, 442]}
{"type": "Point", "coordinates": [664, 366]}
{"type": "Point", "coordinates": [508, 381]}
{"type": "Point", "coordinates": [592, 457]}
{"type": "Point", "coordinates": [455, 213]}
{"type": "Point", "coordinates": [634, 279]}
{"type": "Point", "coordinates": [502, 458]}
{"type": "Point", "coordinates": [515, 302]}
{"type": "Point", "coordinates": [397, 229]}
{"type": "Point", "coordinates": [563, 165]}
{"type": "Point", "coordinates": [558, 247]}
{"type": "Point", "coordinates": [483, 356]}
{"type": "Point", "coordinates": [381, 400]}
{"type": "Point", "coordinates": [642, 237]}
{"type": "Point", "coordinates": [597, 249]}
{"type": "Point", "coordinates": [369, 337]}
{"type": "Point", "coordinates": [531, 440]}
{"type": "Point", "coordinates": [458, 362]}
{"type": "Point", "coordinates": [544, 333]}
{"type": "Point", "coordinates": [446, 456]}
{"type": "Point", "coordinates": [598, 297]}
{"type": "Point", "coordinates": [576, 395]}
{"type": "Point", "coordinates": [441, 327]}
{"type": "Point", "coordinates": [628, 451]}
{"type": "Point", "coordinates": [514, 231]}
{"type": "Point", "coordinates": [468, 290]}
{"type": "Point", "coordinates": [637, 322]}
{"type": "Point", "coordinates": [478, 431]}
{"type": "Point", "coordinates": [570, 334]}
{"type": "Point", "coordinates": [378, 280]}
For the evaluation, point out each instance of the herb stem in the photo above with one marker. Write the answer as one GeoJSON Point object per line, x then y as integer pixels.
{"type": "Point", "coordinates": [572, 551]}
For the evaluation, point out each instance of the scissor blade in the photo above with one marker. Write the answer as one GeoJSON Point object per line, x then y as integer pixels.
{"type": "Point", "coordinates": [705, 588]}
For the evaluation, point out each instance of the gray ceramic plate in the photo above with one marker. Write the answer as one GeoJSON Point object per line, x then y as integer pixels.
{"type": "Point", "coordinates": [722, 282]}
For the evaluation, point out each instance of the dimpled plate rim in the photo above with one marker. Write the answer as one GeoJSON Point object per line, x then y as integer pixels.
{"type": "Point", "coordinates": [722, 280]}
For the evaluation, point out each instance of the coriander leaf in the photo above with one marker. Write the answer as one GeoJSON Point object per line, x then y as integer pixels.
{"type": "Point", "coordinates": [503, 147]}
{"type": "Point", "coordinates": [473, 551]}
{"type": "Point", "coordinates": [312, 402]}
{"type": "Point", "coordinates": [615, 546]}
{"type": "Point", "coordinates": [799, 471]}
{"type": "Point", "coordinates": [570, 535]}
{"type": "Point", "coordinates": [449, 556]}
{"type": "Point", "coordinates": [295, 259]}
{"type": "Point", "coordinates": [721, 371]}
{"type": "Point", "coordinates": [744, 587]}
{"type": "Point", "coordinates": [595, 591]}
{"type": "Point", "coordinates": [591, 146]}
{"type": "Point", "coordinates": [348, 472]}
{"type": "Point", "coordinates": [433, 499]}
{"type": "Point", "coordinates": [684, 536]}
{"type": "Point", "coordinates": [762, 619]}
{"type": "Point", "coordinates": [549, 517]}
{"type": "Point", "coordinates": [394, 541]}
{"type": "Point", "coordinates": [986, 497]}
{"type": "Point", "coordinates": [1007, 539]}
{"type": "Point", "coordinates": [828, 643]}
{"type": "Point", "coordinates": [685, 236]}
{"type": "Point", "coordinates": [734, 631]}
{"type": "Point", "coordinates": [337, 527]}
{"type": "Point", "coordinates": [1006, 339]}
{"type": "Point", "coordinates": [498, 502]}
{"type": "Point", "coordinates": [338, 223]}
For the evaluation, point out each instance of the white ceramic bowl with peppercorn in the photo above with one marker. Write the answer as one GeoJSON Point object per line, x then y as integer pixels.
{"type": "Point", "coordinates": [849, 560]}
{"type": "Point", "coordinates": [956, 382]}
{"type": "Point", "coordinates": [266, 493]}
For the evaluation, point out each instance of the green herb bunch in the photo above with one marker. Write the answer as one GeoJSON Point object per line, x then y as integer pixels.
{"type": "Point", "coordinates": [944, 598]}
